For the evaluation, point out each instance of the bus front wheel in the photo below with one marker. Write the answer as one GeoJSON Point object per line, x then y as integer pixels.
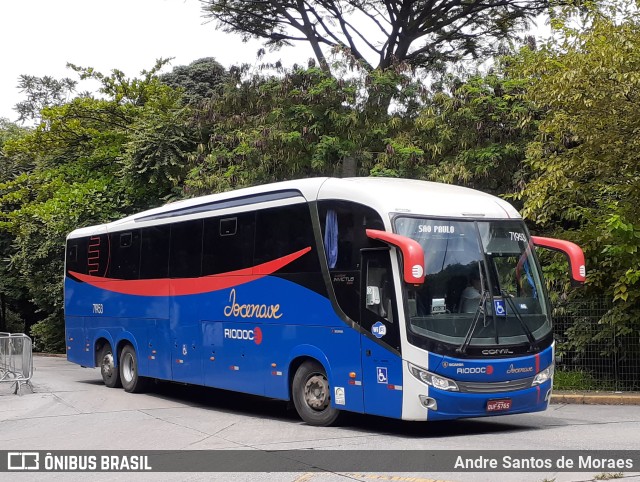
{"type": "Point", "coordinates": [131, 380]}
{"type": "Point", "coordinates": [108, 369]}
{"type": "Point", "coordinates": [312, 395]}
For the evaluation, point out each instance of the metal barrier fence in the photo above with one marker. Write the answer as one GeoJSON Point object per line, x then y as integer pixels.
{"type": "Point", "coordinates": [592, 354]}
{"type": "Point", "coordinates": [16, 359]}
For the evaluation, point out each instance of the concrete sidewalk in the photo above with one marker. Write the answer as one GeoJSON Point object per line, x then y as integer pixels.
{"type": "Point", "coordinates": [595, 397]}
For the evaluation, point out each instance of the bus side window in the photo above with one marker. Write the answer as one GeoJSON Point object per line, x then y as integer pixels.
{"type": "Point", "coordinates": [229, 226]}
{"type": "Point", "coordinates": [343, 226]}
{"type": "Point", "coordinates": [185, 257]}
{"type": "Point", "coordinates": [378, 302]}
{"type": "Point", "coordinates": [283, 231]}
{"type": "Point", "coordinates": [154, 252]}
{"type": "Point", "coordinates": [379, 288]}
{"type": "Point", "coordinates": [125, 255]}
{"type": "Point", "coordinates": [77, 255]}
{"type": "Point", "coordinates": [228, 243]}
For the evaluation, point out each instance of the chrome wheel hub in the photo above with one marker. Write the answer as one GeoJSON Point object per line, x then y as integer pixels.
{"type": "Point", "coordinates": [107, 366]}
{"type": "Point", "coordinates": [128, 368]}
{"type": "Point", "coordinates": [316, 392]}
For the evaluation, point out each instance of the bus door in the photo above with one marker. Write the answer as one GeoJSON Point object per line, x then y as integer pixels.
{"type": "Point", "coordinates": [380, 339]}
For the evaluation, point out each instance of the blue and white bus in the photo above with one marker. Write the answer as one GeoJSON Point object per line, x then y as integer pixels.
{"type": "Point", "coordinates": [392, 297]}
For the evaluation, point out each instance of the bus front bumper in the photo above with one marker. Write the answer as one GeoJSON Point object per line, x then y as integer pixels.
{"type": "Point", "coordinates": [448, 405]}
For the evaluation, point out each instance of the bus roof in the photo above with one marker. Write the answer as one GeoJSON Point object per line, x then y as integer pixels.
{"type": "Point", "coordinates": [391, 195]}
{"type": "Point", "coordinates": [386, 195]}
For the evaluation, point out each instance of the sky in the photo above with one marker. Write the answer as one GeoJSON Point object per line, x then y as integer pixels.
{"type": "Point", "coordinates": [39, 37]}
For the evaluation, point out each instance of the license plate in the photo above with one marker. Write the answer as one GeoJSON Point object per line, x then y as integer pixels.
{"type": "Point", "coordinates": [499, 405]}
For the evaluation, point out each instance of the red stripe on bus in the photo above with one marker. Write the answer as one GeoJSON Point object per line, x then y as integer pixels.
{"type": "Point", "coordinates": [189, 286]}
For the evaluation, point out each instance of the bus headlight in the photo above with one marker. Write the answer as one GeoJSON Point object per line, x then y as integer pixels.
{"type": "Point", "coordinates": [543, 376]}
{"type": "Point", "coordinates": [432, 379]}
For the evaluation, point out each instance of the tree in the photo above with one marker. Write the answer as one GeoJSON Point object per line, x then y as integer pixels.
{"type": "Point", "coordinates": [9, 168]}
{"type": "Point", "coordinates": [16, 310]}
{"type": "Point", "coordinates": [71, 183]}
{"type": "Point", "coordinates": [419, 32]}
{"type": "Point", "coordinates": [87, 165]}
{"type": "Point", "coordinates": [155, 122]}
{"type": "Point", "coordinates": [471, 132]}
{"type": "Point", "coordinates": [382, 37]}
{"type": "Point", "coordinates": [269, 128]}
{"type": "Point", "coordinates": [199, 81]}
{"type": "Point", "coordinates": [585, 162]}
{"type": "Point", "coordinates": [42, 92]}
{"type": "Point", "coordinates": [303, 122]}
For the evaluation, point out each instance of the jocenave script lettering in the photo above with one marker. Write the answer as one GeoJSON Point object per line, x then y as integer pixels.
{"type": "Point", "coordinates": [249, 310]}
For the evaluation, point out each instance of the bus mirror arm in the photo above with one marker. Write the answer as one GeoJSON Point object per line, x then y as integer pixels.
{"type": "Point", "coordinates": [412, 254]}
{"type": "Point", "coordinates": [573, 253]}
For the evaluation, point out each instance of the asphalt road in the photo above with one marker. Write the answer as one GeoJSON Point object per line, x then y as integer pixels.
{"type": "Point", "coordinates": [69, 408]}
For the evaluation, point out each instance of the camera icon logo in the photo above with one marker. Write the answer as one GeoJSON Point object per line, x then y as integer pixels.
{"type": "Point", "coordinates": [23, 461]}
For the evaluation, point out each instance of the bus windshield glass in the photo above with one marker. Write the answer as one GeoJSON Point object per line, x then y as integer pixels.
{"type": "Point", "coordinates": [482, 286]}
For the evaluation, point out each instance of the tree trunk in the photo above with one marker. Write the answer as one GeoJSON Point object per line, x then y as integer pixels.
{"type": "Point", "coordinates": [349, 167]}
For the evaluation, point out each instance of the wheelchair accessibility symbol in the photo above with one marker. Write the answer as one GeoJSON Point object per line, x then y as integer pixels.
{"type": "Point", "coordinates": [500, 308]}
{"type": "Point", "coordinates": [382, 375]}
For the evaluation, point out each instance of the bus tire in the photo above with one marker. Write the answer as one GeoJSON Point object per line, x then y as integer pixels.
{"type": "Point", "coordinates": [131, 381]}
{"type": "Point", "coordinates": [312, 395]}
{"type": "Point", "coordinates": [108, 369]}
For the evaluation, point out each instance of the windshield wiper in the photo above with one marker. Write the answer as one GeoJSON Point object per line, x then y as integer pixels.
{"type": "Point", "coordinates": [525, 328]}
{"type": "Point", "coordinates": [480, 310]}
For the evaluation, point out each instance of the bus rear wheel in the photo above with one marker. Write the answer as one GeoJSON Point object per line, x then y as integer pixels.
{"type": "Point", "coordinates": [312, 395]}
{"type": "Point", "coordinates": [131, 380]}
{"type": "Point", "coordinates": [108, 370]}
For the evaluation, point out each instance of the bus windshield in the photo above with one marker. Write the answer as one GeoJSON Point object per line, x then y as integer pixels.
{"type": "Point", "coordinates": [482, 286]}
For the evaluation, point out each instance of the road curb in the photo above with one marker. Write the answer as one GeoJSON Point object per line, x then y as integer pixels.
{"type": "Point", "coordinates": [596, 398]}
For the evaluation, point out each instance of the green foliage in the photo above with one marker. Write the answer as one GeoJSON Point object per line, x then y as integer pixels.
{"type": "Point", "coordinates": [89, 161]}
{"type": "Point", "coordinates": [160, 138]}
{"type": "Point", "coordinates": [42, 92]}
{"type": "Point", "coordinates": [269, 128]}
{"type": "Point", "coordinates": [584, 182]}
{"type": "Point", "coordinates": [309, 123]}
{"type": "Point", "coordinates": [577, 380]}
{"type": "Point", "coordinates": [199, 81]}
{"type": "Point", "coordinates": [471, 132]}
{"type": "Point", "coordinates": [553, 128]}
{"type": "Point", "coordinates": [52, 205]}
{"type": "Point", "coordinates": [14, 305]}
{"type": "Point", "coordinates": [46, 334]}
{"type": "Point", "coordinates": [9, 168]}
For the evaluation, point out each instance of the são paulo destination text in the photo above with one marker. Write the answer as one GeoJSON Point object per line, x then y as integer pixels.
{"type": "Point", "coordinates": [563, 462]}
